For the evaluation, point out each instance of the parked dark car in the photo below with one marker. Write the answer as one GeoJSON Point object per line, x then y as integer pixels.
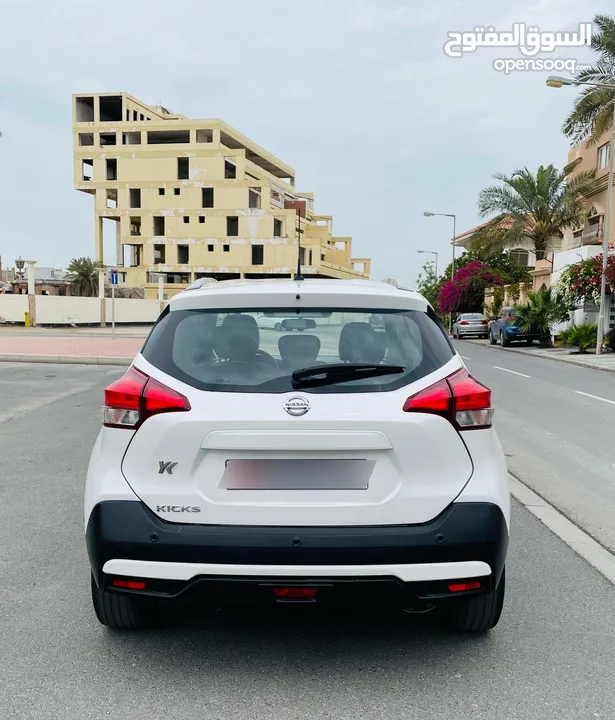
{"type": "Point", "coordinates": [504, 329]}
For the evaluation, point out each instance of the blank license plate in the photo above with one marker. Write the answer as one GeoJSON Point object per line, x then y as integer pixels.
{"type": "Point", "coordinates": [297, 474]}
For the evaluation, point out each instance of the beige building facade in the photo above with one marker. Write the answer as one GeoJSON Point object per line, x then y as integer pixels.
{"type": "Point", "coordinates": [592, 155]}
{"type": "Point", "coordinates": [195, 198]}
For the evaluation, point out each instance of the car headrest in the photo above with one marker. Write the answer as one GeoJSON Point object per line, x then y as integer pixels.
{"type": "Point", "coordinates": [244, 323]}
{"type": "Point", "coordinates": [299, 348]}
{"type": "Point", "coordinates": [233, 343]}
{"type": "Point", "coordinates": [360, 343]}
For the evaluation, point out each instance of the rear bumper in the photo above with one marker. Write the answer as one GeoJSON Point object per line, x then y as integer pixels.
{"type": "Point", "coordinates": [468, 540]}
{"type": "Point", "coordinates": [473, 331]}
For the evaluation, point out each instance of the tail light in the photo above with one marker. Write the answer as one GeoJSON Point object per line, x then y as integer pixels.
{"type": "Point", "coordinates": [464, 322]}
{"type": "Point", "coordinates": [459, 398]}
{"type": "Point", "coordinates": [483, 322]}
{"type": "Point", "coordinates": [133, 398]}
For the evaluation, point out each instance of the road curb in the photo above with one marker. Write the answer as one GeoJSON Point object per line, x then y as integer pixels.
{"type": "Point", "coordinates": [582, 543]}
{"type": "Point", "coordinates": [65, 359]}
{"type": "Point", "coordinates": [556, 359]}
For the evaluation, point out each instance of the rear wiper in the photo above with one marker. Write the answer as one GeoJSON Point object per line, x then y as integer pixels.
{"type": "Point", "coordinates": [320, 375]}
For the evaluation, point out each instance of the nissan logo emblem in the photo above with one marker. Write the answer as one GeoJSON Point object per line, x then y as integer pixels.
{"type": "Point", "coordinates": [296, 406]}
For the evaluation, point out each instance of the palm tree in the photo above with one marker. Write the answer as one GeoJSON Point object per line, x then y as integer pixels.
{"type": "Point", "coordinates": [592, 114]}
{"type": "Point", "coordinates": [532, 207]}
{"type": "Point", "coordinates": [83, 275]}
{"type": "Point", "coordinates": [543, 309]}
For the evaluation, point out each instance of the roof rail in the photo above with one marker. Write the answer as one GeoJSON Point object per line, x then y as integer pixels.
{"type": "Point", "coordinates": [391, 281]}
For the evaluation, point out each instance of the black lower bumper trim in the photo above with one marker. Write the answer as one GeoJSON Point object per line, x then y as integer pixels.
{"type": "Point", "coordinates": [131, 531]}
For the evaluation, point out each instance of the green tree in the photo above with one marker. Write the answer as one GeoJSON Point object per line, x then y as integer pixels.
{"type": "Point", "coordinates": [536, 207]}
{"type": "Point", "coordinates": [543, 309]}
{"type": "Point", "coordinates": [83, 276]}
{"type": "Point", "coordinates": [592, 114]}
{"type": "Point", "coordinates": [428, 285]}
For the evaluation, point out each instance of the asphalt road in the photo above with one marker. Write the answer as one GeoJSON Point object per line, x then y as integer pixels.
{"type": "Point", "coordinates": [557, 426]}
{"type": "Point", "coordinates": [551, 657]}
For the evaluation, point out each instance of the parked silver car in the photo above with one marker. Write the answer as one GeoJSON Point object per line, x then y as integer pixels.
{"type": "Point", "coordinates": [471, 324]}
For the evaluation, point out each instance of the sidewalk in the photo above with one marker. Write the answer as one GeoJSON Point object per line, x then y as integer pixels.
{"type": "Point", "coordinates": [81, 350]}
{"type": "Point", "coordinates": [595, 362]}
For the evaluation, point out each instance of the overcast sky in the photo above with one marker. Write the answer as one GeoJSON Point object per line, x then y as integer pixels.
{"type": "Point", "coordinates": [357, 95]}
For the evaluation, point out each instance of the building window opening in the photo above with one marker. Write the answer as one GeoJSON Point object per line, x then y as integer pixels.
{"type": "Point", "coordinates": [159, 225]}
{"type": "Point", "coordinates": [258, 254]}
{"type": "Point", "coordinates": [108, 139]}
{"type": "Point", "coordinates": [111, 164]}
{"type": "Point", "coordinates": [159, 254]}
{"type": "Point", "coordinates": [186, 219]}
{"type": "Point", "coordinates": [135, 197]}
{"type": "Point", "coordinates": [161, 191]}
{"type": "Point", "coordinates": [277, 228]}
{"type": "Point", "coordinates": [84, 109]}
{"type": "Point", "coordinates": [201, 219]}
{"type": "Point", "coordinates": [183, 168]}
{"type": "Point", "coordinates": [86, 139]}
{"type": "Point", "coordinates": [210, 248]}
{"type": "Point", "coordinates": [208, 197]}
{"type": "Point", "coordinates": [87, 170]}
{"type": "Point", "coordinates": [204, 136]}
{"type": "Point", "coordinates": [254, 198]}
{"type": "Point", "coordinates": [135, 226]}
{"type": "Point", "coordinates": [131, 138]}
{"type": "Point", "coordinates": [168, 137]}
{"type": "Point", "coordinates": [176, 191]}
{"type": "Point", "coordinates": [232, 226]}
{"type": "Point", "coordinates": [112, 199]}
{"type": "Point", "coordinates": [111, 109]}
{"type": "Point", "coordinates": [230, 170]}
{"type": "Point", "coordinates": [226, 248]}
{"type": "Point", "coordinates": [183, 254]}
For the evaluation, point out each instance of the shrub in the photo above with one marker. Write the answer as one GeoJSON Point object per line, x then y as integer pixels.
{"type": "Point", "coordinates": [583, 336]}
{"type": "Point", "coordinates": [611, 339]}
{"type": "Point", "coordinates": [544, 308]}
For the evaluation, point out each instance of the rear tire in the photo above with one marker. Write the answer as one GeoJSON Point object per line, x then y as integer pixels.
{"type": "Point", "coordinates": [504, 342]}
{"type": "Point", "coordinates": [118, 611]}
{"type": "Point", "coordinates": [492, 340]}
{"type": "Point", "coordinates": [479, 613]}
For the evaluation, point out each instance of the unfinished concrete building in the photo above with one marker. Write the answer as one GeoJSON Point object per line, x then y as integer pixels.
{"type": "Point", "coordinates": [196, 198]}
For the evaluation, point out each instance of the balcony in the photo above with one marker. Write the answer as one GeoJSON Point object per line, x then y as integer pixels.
{"type": "Point", "coordinates": [590, 235]}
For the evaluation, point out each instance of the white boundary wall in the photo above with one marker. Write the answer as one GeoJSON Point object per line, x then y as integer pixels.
{"type": "Point", "coordinates": [58, 310]}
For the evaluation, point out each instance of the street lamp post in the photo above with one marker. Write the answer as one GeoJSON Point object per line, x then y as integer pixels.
{"type": "Point", "coordinates": [430, 252]}
{"type": "Point", "coordinates": [432, 214]}
{"type": "Point", "coordinates": [555, 81]}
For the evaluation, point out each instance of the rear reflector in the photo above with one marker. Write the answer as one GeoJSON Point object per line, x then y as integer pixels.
{"type": "Point", "coordinates": [128, 584]}
{"type": "Point", "coordinates": [134, 397]}
{"type": "Point", "coordinates": [460, 587]}
{"type": "Point", "coordinates": [295, 593]}
{"type": "Point", "coordinates": [459, 398]}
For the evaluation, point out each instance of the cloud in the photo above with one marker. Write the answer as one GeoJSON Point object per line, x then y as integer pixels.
{"type": "Point", "coordinates": [357, 95]}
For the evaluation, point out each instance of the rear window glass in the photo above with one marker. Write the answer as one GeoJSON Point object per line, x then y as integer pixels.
{"type": "Point", "coordinates": [257, 350]}
{"type": "Point", "coordinates": [473, 316]}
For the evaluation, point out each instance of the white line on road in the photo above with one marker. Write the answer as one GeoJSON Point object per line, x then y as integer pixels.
{"type": "Point", "coordinates": [513, 372]}
{"type": "Point", "coordinates": [574, 537]}
{"type": "Point", "coordinates": [595, 397]}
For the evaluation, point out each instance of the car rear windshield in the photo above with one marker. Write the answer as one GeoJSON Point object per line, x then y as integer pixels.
{"type": "Point", "coordinates": [473, 316]}
{"type": "Point", "coordinates": [258, 350]}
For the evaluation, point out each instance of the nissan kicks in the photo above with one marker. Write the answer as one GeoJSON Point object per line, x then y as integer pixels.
{"type": "Point", "coordinates": [354, 463]}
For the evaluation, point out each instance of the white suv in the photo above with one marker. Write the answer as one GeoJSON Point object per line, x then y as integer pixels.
{"type": "Point", "coordinates": [342, 465]}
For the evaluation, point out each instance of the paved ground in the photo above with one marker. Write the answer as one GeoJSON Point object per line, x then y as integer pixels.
{"type": "Point", "coordinates": [552, 656]}
{"type": "Point", "coordinates": [606, 361]}
{"type": "Point", "coordinates": [556, 424]}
